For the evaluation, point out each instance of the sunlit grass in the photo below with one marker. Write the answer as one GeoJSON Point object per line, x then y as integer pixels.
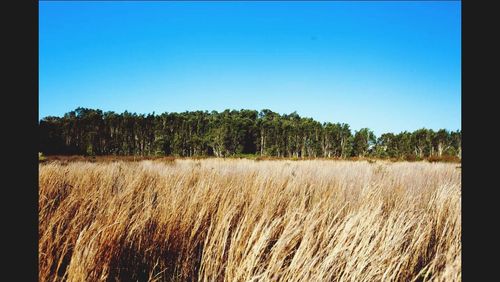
{"type": "Point", "coordinates": [244, 220]}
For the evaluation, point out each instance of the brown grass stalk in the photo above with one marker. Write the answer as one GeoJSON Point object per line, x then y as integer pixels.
{"type": "Point", "coordinates": [244, 220]}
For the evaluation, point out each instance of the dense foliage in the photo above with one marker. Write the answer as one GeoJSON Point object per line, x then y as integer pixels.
{"type": "Point", "coordinates": [228, 133]}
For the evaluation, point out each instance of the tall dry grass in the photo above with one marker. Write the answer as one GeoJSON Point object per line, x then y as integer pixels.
{"type": "Point", "coordinates": [243, 220]}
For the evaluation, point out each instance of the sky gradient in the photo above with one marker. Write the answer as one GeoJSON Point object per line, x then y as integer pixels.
{"type": "Point", "coordinates": [388, 66]}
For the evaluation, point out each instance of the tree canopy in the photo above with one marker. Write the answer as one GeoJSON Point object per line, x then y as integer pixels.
{"type": "Point", "coordinates": [228, 133]}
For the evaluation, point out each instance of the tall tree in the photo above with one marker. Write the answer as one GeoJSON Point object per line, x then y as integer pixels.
{"type": "Point", "coordinates": [198, 133]}
{"type": "Point", "coordinates": [364, 139]}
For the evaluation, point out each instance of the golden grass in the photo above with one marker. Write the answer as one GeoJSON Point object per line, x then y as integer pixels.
{"type": "Point", "coordinates": [244, 220]}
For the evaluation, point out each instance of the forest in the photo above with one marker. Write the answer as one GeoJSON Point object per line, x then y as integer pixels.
{"type": "Point", "coordinates": [92, 132]}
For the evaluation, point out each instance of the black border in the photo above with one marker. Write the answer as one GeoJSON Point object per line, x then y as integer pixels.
{"type": "Point", "coordinates": [20, 137]}
{"type": "Point", "coordinates": [479, 163]}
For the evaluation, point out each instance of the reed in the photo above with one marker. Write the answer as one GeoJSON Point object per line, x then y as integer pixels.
{"type": "Point", "coordinates": [246, 220]}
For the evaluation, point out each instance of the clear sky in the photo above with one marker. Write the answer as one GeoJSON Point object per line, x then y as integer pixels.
{"type": "Point", "coordinates": [389, 66]}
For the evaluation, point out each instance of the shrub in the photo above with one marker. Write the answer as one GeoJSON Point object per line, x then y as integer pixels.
{"type": "Point", "coordinates": [41, 157]}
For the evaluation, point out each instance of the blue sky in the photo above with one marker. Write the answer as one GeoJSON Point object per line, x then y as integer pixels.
{"type": "Point", "coordinates": [389, 66]}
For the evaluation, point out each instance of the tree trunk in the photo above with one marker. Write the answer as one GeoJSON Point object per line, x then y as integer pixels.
{"type": "Point", "coordinates": [460, 150]}
{"type": "Point", "coordinates": [261, 142]}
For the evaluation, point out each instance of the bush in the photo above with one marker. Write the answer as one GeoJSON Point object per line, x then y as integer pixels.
{"type": "Point", "coordinates": [244, 156]}
{"type": "Point", "coordinates": [411, 158]}
{"type": "Point", "coordinates": [41, 157]}
{"type": "Point", "coordinates": [445, 158]}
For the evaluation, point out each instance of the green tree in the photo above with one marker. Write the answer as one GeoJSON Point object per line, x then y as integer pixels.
{"type": "Point", "coordinates": [364, 140]}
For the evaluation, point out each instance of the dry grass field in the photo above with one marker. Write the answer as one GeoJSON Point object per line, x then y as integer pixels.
{"type": "Point", "coordinates": [245, 220]}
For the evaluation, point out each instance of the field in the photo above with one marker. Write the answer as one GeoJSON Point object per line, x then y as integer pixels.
{"type": "Point", "coordinates": [246, 220]}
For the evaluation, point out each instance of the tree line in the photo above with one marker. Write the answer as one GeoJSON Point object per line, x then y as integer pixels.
{"type": "Point", "coordinates": [229, 133]}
